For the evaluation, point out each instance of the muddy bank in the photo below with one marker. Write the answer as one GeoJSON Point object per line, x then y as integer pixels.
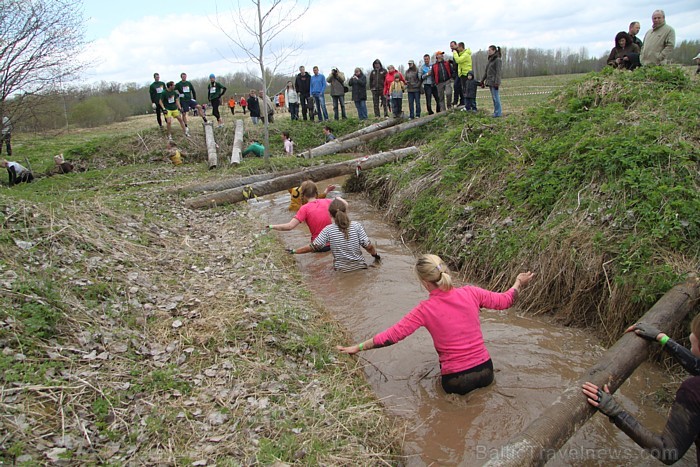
{"type": "Point", "coordinates": [534, 362]}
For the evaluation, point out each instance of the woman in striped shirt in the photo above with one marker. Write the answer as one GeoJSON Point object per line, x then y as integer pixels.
{"type": "Point", "coordinates": [345, 238]}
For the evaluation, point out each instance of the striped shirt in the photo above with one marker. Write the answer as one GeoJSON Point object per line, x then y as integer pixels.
{"type": "Point", "coordinates": [347, 255]}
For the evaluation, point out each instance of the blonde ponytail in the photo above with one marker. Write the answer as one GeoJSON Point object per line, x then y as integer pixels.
{"type": "Point", "coordinates": [431, 268]}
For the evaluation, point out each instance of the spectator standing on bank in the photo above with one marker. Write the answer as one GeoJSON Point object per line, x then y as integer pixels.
{"type": "Point", "coordinates": [457, 86]}
{"type": "Point", "coordinates": [396, 91]}
{"type": "Point", "coordinates": [469, 85]}
{"type": "Point", "coordinates": [463, 59]}
{"type": "Point", "coordinates": [413, 86]}
{"type": "Point", "coordinates": [6, 135]}
{"type": "Point", "coordinates": [216, 91]}
{"type": "Point", "coordinates": [156, 90]}
{"type": "Point", "coordinates": [302, 84]}
{"type": "Point", "coordinates": [659, 41]}
{"type": "Point", "coordinates": [244, 104]}
{"type": "Point", "coordinates": [492, 77]}
{"type": "Point", "coordinates": [625, 53]}
{"type": "Point", "coordinates": [442, 75]}
{"type": "Point", "coordinates": [376, 84]}
{"type": "Point", "coordinates": [254, 106]}
{"type": "Point", "coordinates": [269, 108]}
{"type": "Point", "coordinates": [633, 31]}
{"type": "Point", "coordinates": [429, 88]}
{"type": "Point", "coordinates": [291, 98]}
{"type": "Point", "coordinates": [697, 60]}
{"type": "Point", "coordinates": [358, 83]}
{"type": "Point", "coordinates": [337, 82]}
{"type": "Point", "coordinates": [318, 88]}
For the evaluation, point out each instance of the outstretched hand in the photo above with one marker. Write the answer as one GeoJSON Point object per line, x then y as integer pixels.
{"type": "Point", "coordinates": [524, 278]}
{"type": "Point", "coordinates": [351, 350]}
{"type": "Point", "coordinates": [647, 331]}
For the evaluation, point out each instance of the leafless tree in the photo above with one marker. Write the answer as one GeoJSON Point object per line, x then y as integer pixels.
{"type": "Point", "coordinates": [255, 31]}
{"type": "Point", "coordinates": [39, 45]}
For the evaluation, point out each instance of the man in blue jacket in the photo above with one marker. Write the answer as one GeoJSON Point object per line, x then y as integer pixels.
{"type": "Point", "coordinates": [318, 87]}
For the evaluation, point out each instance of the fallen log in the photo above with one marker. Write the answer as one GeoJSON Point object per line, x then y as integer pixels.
{"type": "Point", "coordinates": [227, 184]}
{"type": "Point", "coordinates": [541, 440]}
{"type": "Point", "coordinates": [237, 143]}
{"type": "Point", "coordinates": [212, 157]}
{"type": "Point", "coordinates": [371, 128]}
{"type": "Point", "coordinates": [341, 146]}
{"type": "Point", "coordinates": [284, 182]}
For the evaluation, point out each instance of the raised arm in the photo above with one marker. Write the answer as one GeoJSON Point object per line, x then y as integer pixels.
{"type": "Point", "coordinates": [690, 362]}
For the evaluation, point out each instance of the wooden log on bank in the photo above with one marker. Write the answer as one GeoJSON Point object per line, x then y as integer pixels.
{"type": "Point", "coordinates": [212, 158]}
{"type": "Point", "coordinates": [370, 129]}
{"type": "Point", "coordinates": [237, 143]}
{"type": "Point", "coordinates": [541, 440]}
{"type": "Point", "coordinates": [228, 183]}
{"type": "Point", "coordinates": [341, 146]}
{"type": "Point", "coordinates": [284, 182]}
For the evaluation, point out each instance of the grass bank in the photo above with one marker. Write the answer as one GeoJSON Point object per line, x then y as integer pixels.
{"type": "Point", "coordinates": [597, 190]}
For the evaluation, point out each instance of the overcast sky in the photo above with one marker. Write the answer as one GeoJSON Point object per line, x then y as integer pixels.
{"type": "Point", "coordinates": [132, 39]}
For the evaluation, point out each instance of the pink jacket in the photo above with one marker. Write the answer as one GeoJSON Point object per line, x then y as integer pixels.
{"type": "Point", "coordinates": [452, 319]}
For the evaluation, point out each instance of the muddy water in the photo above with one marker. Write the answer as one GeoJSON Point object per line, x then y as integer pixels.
{"type": "Point", "coordinates": [534, 361]}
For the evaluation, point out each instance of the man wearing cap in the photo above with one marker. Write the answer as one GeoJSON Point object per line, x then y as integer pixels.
{"type": "Point", "coordinates": [442, 75]}
{"type": "Point", "coordinates": [188, 98]}
{"type": "Point", "coordinates": [155, 90]}
{"type": "Point", "coordinates": [658, 41]}
{"type": "Point", "coordinates": [214, 92]}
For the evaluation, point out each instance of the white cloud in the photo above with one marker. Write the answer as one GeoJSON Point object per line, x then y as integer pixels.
{"type": "Point", "coordinates": [338, 33]}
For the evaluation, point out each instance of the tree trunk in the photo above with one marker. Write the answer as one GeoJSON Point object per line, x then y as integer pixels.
{"type": "Point", "coordinates": [341, 146]}
{"type": "Point", "coordinates": [229, 183]}
{"type": "Point", "coordinates": [237, 143]}
{"type": "Point", "coordinates": [541, 440]}
{"type": "Point", "coordinates": [212, 158]}
{"type": "Point", "coordinates": [284, 182]}
{"type": "Point", "coordinates": [369, 129]}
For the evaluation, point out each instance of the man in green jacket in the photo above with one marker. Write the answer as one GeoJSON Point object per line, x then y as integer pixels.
{"type": "Point", "coordinates": [463, 58]}
{"type": "Point", "coordinates": [156, 90]}
{"type": "Point", "coordinates": [214, 92]}
{"type": "Point", "coordinates": [188, 98]}
{"type": "Point", "coordinates": [658, 41]}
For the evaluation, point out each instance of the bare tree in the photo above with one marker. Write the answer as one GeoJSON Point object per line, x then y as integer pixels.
{"type": "Point", "coordinates": [40, 41]}
{"type": "Point", "coordinates": [255, 32]}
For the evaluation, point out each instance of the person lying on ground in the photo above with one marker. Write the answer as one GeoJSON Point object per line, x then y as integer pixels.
{"type": "Point", "coordinates": [345, 238]}
{"type": "Point", "coordinates": [451, 316]}
{"type": "Point", "coordinates": [683, 424]}
{"type": "Point", "coordinates": [60, 166]}
{"type": "Point", "coordinates": [16, 172]}
{"type": "Point", "coordinates": [314, 212]}
{"type": "Point", "coordinates": [297, 200]}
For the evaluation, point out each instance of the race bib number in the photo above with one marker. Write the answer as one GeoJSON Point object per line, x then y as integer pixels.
{"type": "Point", "coordinates": [185, 89]}
{"type": "Point", "coordinates": [212, 90]}
{"type": "Point", "coordinates": [171, 99]}
{"type": "Point", "coordinates": [159, 90]}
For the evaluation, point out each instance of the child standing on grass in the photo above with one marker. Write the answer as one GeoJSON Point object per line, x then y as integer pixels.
{"type": "Point", "coordinates": [288, 143]}
{"type": "Point", "coordinates": [469, 87]}
{"type": "Point", "coordinates": [396, 92]}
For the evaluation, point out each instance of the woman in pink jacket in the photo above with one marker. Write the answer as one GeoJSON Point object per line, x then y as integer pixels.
{"type": "Point", "coordinates": [451, 316]}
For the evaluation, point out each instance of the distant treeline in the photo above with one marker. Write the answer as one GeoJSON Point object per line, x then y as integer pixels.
{"type": "Point", "coordinates": [104, 103]}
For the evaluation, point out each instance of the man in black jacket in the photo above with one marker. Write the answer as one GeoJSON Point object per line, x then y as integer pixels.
{"type": "Point", "coordinates": [303, 87]}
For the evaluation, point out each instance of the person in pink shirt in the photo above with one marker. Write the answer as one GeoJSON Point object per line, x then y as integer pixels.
{"type": "Point", "coordinates": [451, 316]}
{"type": "Point", "coordinates": [314, 212]}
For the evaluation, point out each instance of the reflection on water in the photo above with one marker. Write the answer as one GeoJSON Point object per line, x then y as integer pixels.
{"type": "Point", "coordinates": [534, 361]}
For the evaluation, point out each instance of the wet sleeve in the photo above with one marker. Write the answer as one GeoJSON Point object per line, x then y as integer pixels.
{"type": "Point", "coordinates": [401, 330]}
{"type": "Point", "coordinates": [494, 300]}
{"type": "Point", "coordinates": [685, 357]}
{"type": "Point", "coordinates": [682, 427]}
{"type": "Point", "coordinates": [322, 239]}
{"type": "Point", "coordinates": [362, 235]}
